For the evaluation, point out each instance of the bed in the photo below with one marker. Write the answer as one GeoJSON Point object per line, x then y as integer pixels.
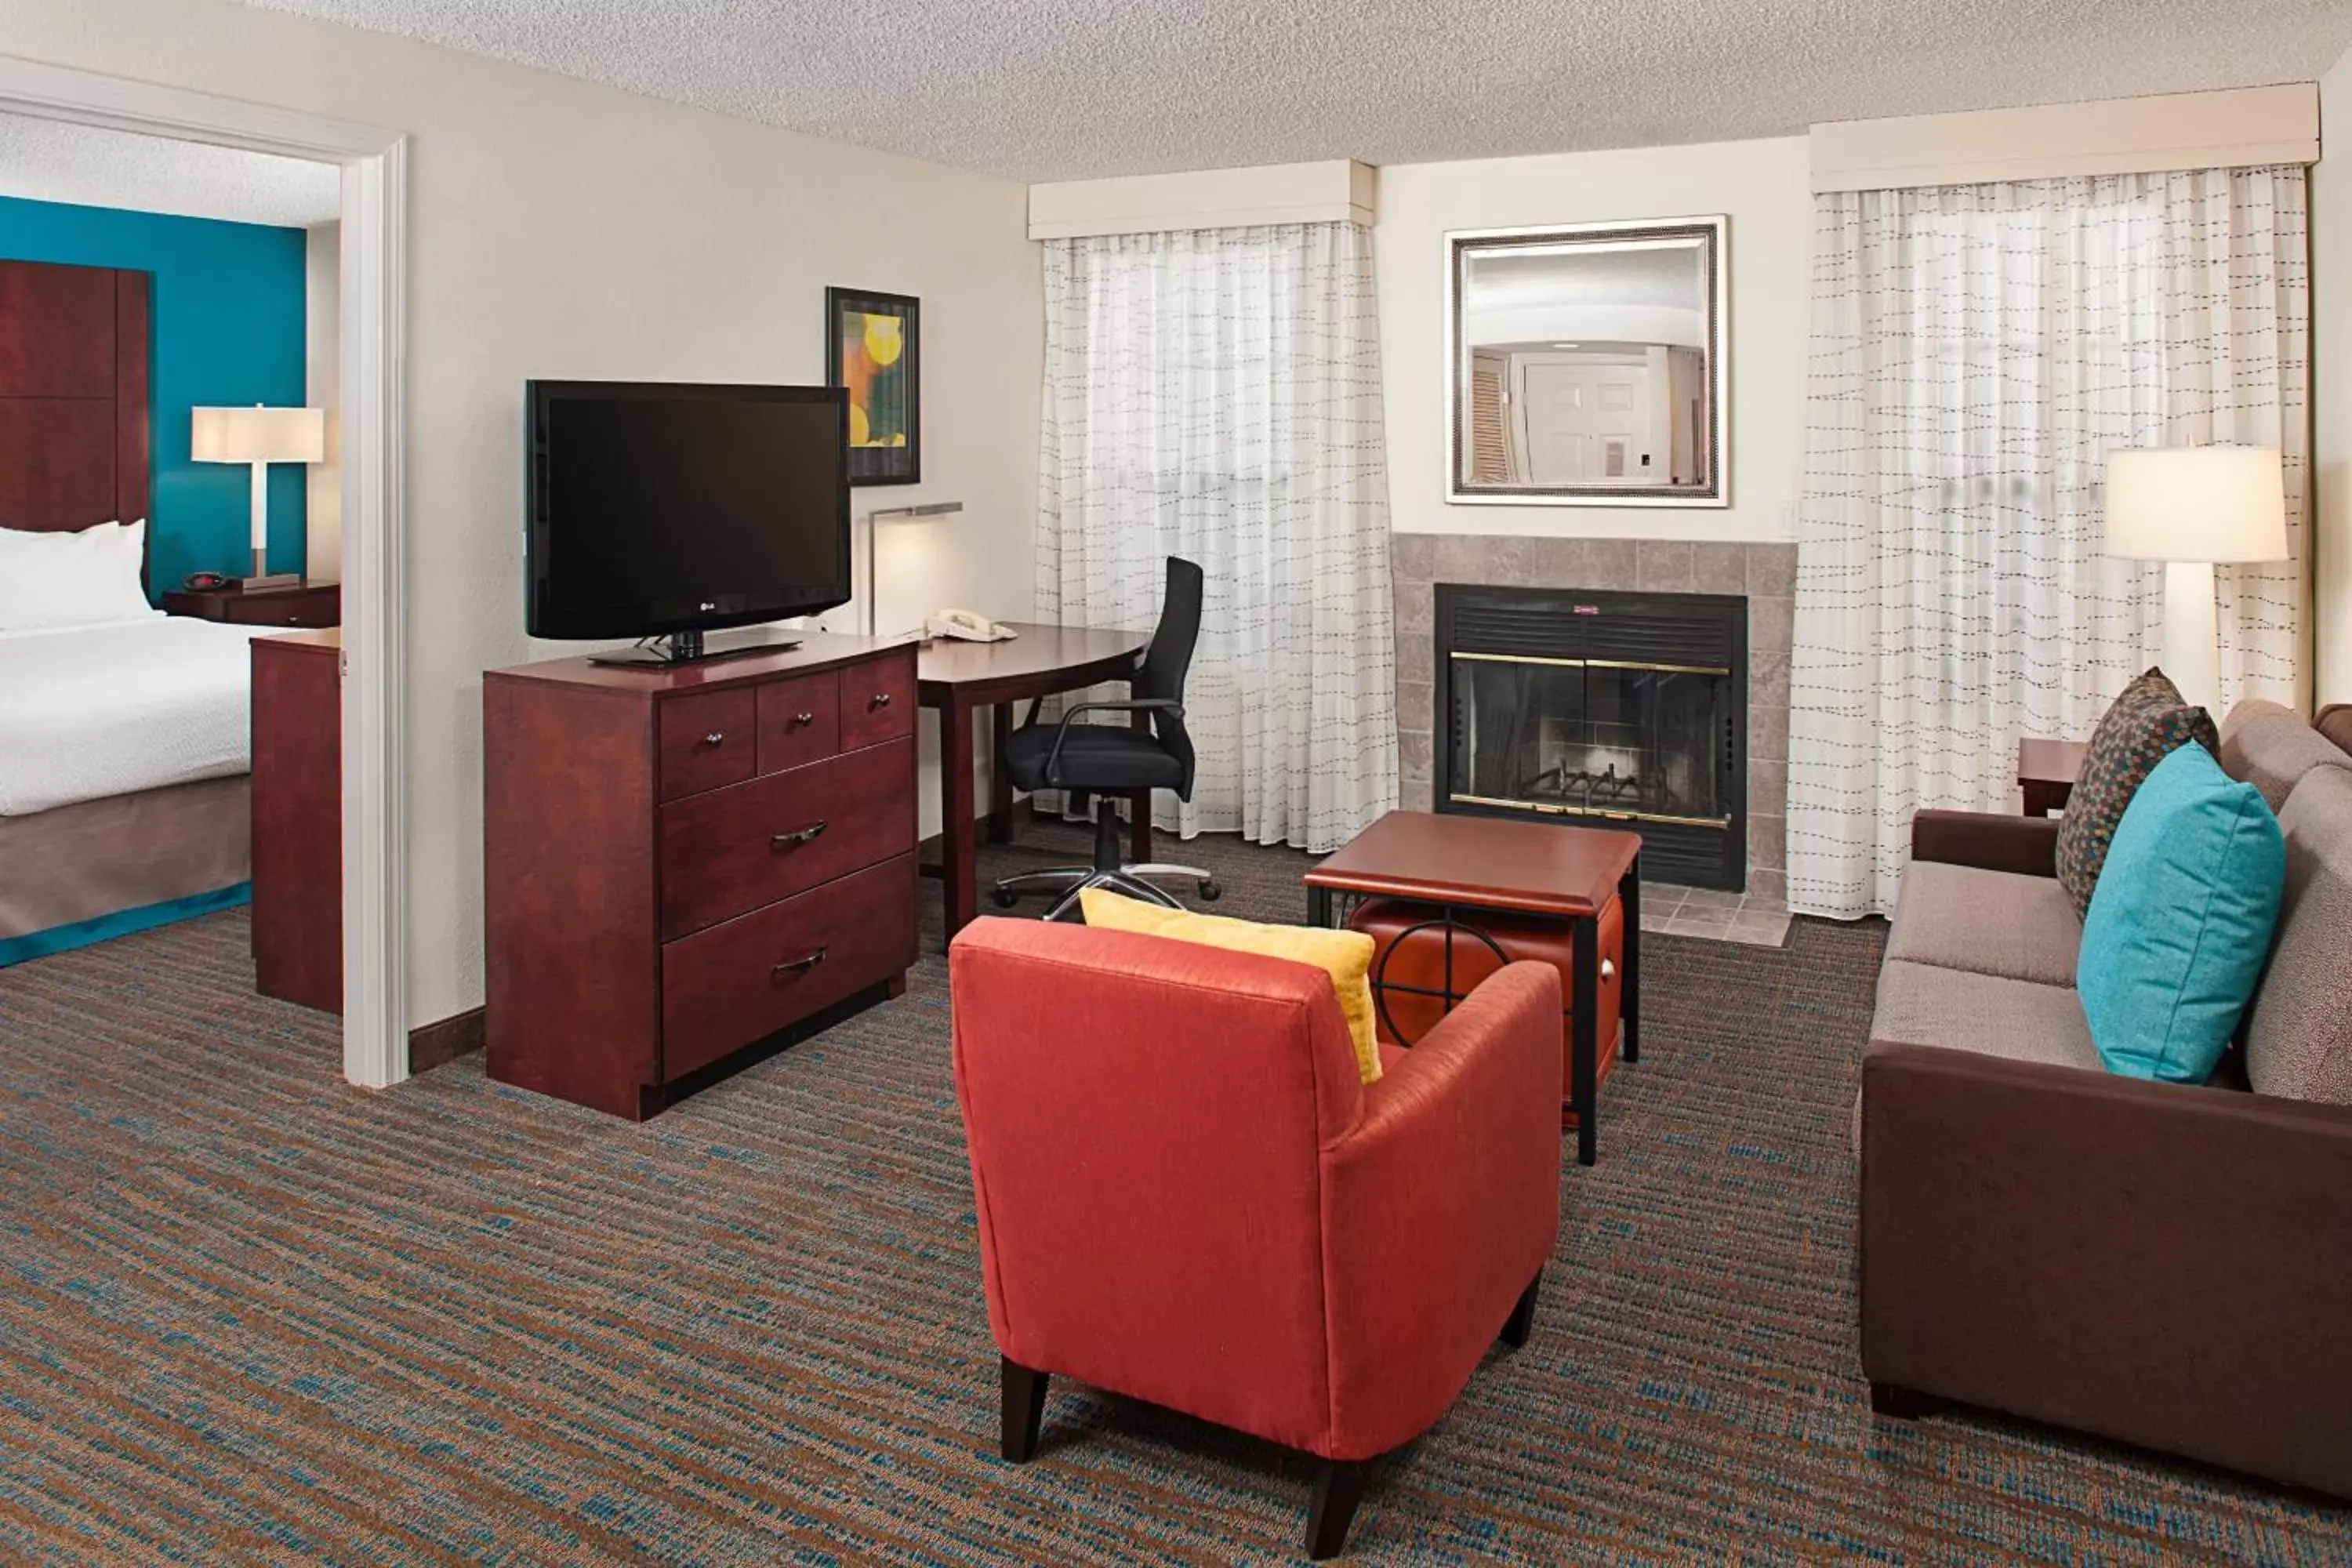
{"type": "Point", "coordinates": [123, 731]}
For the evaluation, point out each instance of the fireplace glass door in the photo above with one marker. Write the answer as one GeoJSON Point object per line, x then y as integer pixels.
{"type": "Point", "coordinates": [1595, 738]}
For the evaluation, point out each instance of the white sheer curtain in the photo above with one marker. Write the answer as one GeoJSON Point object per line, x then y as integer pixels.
{"type": "Point", "coordinates": [1215, 394]}
{"type": "Point", "coordinates": [1976, 352]}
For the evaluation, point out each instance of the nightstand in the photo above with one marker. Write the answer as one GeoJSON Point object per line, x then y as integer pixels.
{"type": "Point", "coordinates": [312, 605]}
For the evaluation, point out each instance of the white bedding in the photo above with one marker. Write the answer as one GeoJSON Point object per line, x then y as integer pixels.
{"type": "Point", "coordinates": [95, 710]}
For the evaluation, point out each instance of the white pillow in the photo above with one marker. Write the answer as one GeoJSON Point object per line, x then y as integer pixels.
{"type": "Point", "coordinates": [72, 579]}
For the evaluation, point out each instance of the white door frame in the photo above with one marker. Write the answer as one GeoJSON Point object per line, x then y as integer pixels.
{"type": "Point", "coordinates": [375, 774]}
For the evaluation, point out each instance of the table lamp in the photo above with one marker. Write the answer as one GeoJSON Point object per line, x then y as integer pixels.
{"type": "Point", "coordinates": [2191, 508]}
{"type": "Point", "coordinates": [260, 436]}
{"type": "Point", "coordinates": [874, 521]}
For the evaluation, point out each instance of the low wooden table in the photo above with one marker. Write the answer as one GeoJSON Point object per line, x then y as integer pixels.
{"type": "Point", "coordinates": [2045, 773]}
{"type": "Point", "coordinates": [1464, 864]}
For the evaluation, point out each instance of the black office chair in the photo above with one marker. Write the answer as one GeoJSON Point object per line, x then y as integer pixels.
{"type": "Point", "coordinates": [1090, 760]}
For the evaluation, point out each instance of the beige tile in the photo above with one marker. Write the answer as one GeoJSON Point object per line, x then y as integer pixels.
{"type": "Point", "coordinates": [1609, 564]}
{"type": "Point", "coordinates": [1416, 657]}
{"type": "Point", "coordinates": [1416, 707]}
{"type": "Point", "coordinates": [1560, 563]}
{"type": "Point", "coordinates": [1713, 927]}
{"type": "Point", "coordinates": [1767, 841]}
{"type": "Point", "coordinates": [1767, 788]}
{"type": "Point", "coordinates": [1416, 610]}
{"type": "Point", "coordinates": [1516, 563]}
{"type": "Point", "coordinates": [1709, 901]}
{"type": "Point", "coordinates": [1767, 732]}
{"type": "Point", "coordinates": [1414, 794]}
{"type": "Point", "coordinates": [1663, 566]}
{"type": "Point", "coordinates": [1720, 568]}
{"type": "Point", "coordinates": [1767, 680]}
{"type": "Point", "coordinates": [1463, 558]}
{"type": "Point", "coordinates": [1772, 571]}
{"type": "Point", "coordinates": [1411, 555]}
{"type": "Point", "coordinates": [1661, 900]}
{"type": "Point", "coordinates": [1413, 748]}
{"type": "Point", "coordinates": [1771, 625]}
{"type": "Point", "coordinates": [1761, 929]}
{"type": "Point", "coordinates": [1767, 885]}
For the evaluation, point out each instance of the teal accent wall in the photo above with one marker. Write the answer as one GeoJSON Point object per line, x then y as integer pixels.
{"type": "Point", "coordinates": [228, 328]}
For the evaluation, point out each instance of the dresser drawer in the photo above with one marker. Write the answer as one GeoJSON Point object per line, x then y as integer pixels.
{"type": "Point", "coordinates": [877, 700]}
{"type": "Point", "coordinates": [800, 721]}
{"type": "Point", "coordinates": [739, 982]}
{"type": "Point", "coordinates": [727, 852]}
{"type": "Point", "coordinates": [707, 741]}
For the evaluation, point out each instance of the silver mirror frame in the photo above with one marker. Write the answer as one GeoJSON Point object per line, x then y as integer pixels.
{"type": "Point", "coordinates": [1716, 231]}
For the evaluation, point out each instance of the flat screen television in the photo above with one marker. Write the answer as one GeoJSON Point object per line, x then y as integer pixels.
{"type": "Point", "coordinates": [670, 509]}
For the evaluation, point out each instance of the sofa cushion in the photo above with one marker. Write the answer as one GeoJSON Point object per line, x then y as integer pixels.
{"type": "Point", "coordinates": [2143, 724]}
{"type": "Point", "coordinates": [1989, 1014]}
{"type": "Point", "coordinates": [2334, 722]}
{"type": "Point", "coordinates": [2181, 920]}
{"type": "Point", "coordinates": [1993, 922]}
{"type": "Point", "coordinates": [2299, 1031]}
{"type": "Point", "coordinates": [2270, 748]}
{"type": "Point", "coordinates": [1345, 955]}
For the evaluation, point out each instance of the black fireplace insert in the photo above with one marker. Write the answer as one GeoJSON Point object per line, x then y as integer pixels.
{"type": "Point", "coordinates": [1600, 709]}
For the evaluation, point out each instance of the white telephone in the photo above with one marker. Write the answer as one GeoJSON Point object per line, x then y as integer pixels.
{"type": "Point", "coordinates": [966, 626]}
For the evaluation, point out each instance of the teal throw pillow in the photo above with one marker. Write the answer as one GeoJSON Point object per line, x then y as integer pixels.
{"type": "Point", "coordinates": [2180, 921]}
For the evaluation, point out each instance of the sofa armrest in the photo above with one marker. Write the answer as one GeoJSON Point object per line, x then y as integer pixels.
{"type": "Point", "coordinates": [1439, 1205]}
{"type": "Point", "coordinates": [2025, 844]}
{"type": "Point", "coordinates": [2155, 1263]}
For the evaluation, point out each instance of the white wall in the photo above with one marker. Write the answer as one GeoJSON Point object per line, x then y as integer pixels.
{"type": "Point", "coordinates": [1763, 185]}
{"type": "Point", "coordinates": [2331, 400]}
{"type": "Point", "coordinates": [559, 229]}
{"type": "Point", "coordinates": [322, 363]}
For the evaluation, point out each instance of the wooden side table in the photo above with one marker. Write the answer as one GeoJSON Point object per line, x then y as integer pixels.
{"type": "Point", "coordinates": [1462, 865]}
{"type": "Point", "coordinates": [2045, 773]}
{"type": "Point", "coordinates": [312, 604]}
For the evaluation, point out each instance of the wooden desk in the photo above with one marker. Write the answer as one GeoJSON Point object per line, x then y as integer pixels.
{"type": "Point", "coordinates": [2045, 773]}
{"type": "Point", "coordinates": [961, 678]}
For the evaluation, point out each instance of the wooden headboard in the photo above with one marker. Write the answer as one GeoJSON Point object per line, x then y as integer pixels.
{"type": "Point", "coordinates": [74, 401]}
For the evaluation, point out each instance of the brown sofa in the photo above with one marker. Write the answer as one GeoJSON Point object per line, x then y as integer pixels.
{"type": "Point", "coordinates": [2164, 1265]}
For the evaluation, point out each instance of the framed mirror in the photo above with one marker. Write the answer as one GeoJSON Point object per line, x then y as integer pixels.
{"type": "Point", "coordinates": [1587, 365]}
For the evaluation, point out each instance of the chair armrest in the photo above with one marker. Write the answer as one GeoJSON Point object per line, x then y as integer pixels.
{"type": "Point", "coordinates": [1440, 1203]}
{"type": "Point", "coordinates": [2025, 844]}
{"type": "Point", "coordinates": [1112, 705]}
{"type": "Point", "coordinates": [2156, 1263]}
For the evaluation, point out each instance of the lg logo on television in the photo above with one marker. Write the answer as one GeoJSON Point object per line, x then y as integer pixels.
{"type": "Point", "coordinates": [709, 604]}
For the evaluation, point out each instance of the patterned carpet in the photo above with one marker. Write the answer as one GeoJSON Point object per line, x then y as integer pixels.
{"type": "Point", "coordinates": [249, 1314]}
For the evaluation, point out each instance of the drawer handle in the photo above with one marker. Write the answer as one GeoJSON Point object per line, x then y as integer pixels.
{"type": "Point", "coordinates": [794, 840]}
{"type": "Point", "coordinates": [1608, 970]}
{"type": "Point", "coordinates": [793, 968]}
{"type": "Point", "coordinates": [880, 700]}
{"type": "Point", "coordinates": [803, 721]}
{"type": "Point", "coordinates": [716, 738]}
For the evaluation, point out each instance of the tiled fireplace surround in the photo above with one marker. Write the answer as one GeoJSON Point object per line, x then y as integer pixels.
{"type": "Point", "coordinates": [1765, 573]}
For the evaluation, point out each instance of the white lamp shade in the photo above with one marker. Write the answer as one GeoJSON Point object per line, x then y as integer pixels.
{"type": "Point", "coordinates": [258, 434]}
{"type": "Point", "coordinates": [2195, 503]}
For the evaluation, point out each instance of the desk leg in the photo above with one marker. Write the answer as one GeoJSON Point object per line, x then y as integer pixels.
{"type": "Point", "coordinates": [958, 854]}
{"type": "Point", "coordinates": [1000, 783]}
{"type": "Point", "coordinates": [1139, 825]}
{"type": "Point", "coordinates": [1583, 1052]}
{"type": "Point", "coordinates": [1318, 906]}
{"type": "Point", "coordinates": [1629, 983]}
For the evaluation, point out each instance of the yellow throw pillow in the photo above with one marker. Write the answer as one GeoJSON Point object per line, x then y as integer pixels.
{"type": "Point", "coordinates": [1345, 955]}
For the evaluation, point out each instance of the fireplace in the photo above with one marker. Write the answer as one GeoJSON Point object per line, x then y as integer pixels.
{"type": "Point", "coordinates": [1600, 709]}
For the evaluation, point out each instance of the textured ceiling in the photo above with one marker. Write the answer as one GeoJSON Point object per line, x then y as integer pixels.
{"type": "Point", "coordinates": [1062, 88]}
{"type": "Point", "coordinates": [89, 167]}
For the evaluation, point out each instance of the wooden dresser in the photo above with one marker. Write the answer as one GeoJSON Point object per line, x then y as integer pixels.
{"type": "Point", "coordinates": [680, 864]}
{"type": "Point", "coordinates": [298, 818]}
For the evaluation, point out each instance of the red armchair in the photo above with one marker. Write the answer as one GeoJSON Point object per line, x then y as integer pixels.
{"type": "Point", "coordinates": [1186, 1196]}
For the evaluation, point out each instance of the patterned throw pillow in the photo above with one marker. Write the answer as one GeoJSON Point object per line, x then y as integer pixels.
{"type": "Point", "coordinates": [2144, 724]}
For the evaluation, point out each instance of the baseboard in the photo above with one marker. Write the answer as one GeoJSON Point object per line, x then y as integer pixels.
{"type": "Point", "coordinates": [929, 849]}
{"type": "Point", "coordinates": [438, 1044]}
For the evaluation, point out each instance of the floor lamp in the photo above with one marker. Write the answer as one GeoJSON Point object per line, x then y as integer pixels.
{"type": "Point", "coordinates": [260, 436]}
{"type": "Point", "coordinates": [2192, 508]}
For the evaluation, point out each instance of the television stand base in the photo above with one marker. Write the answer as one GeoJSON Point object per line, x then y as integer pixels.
{"type": "Point", "coordinates": [687, 647]}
